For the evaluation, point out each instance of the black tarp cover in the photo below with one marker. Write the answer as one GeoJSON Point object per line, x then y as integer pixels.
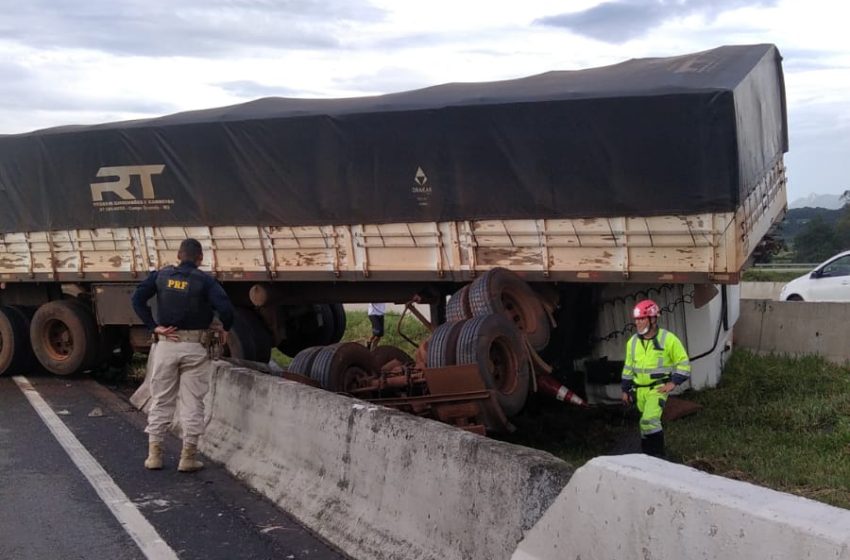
{"type": "Point", "coordinates": [646, 137]}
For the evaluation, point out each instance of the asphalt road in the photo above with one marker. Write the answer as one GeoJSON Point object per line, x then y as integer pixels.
{"type": "Point", "coordinates": [73, 485]}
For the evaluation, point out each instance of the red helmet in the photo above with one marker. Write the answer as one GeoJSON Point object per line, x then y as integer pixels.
{"type": "Point", "coordinates": [646, 308]}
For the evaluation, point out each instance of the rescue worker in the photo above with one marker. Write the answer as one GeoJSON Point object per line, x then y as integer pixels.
{"type": "Point", "coordinates": [656, 363]}
{"type": "Point", "coordinates": [181, 364]}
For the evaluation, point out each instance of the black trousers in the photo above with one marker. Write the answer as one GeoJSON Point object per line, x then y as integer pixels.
{"type": "Point", "coordinates": [653, 445]}
{"type": "Point", "coordinates": [377, 324]}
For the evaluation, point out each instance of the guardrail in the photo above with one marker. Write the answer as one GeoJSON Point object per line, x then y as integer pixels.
{"type": "Point", "coordinates": [786, 266]}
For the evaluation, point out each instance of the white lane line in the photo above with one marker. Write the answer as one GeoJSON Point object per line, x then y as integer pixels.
{"type": "Point", "coordinates": [121, 507]}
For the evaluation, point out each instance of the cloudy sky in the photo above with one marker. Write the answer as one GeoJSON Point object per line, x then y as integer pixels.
{"type": "Point", "coordinates": [80, 62]}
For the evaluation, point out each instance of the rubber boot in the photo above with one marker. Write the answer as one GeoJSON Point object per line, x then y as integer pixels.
{"type": "Point", "coordinates": [154, 460]}
{"type": "Point", "coordinates": [653, 445]}
{"type": "Point", "coordinates": [188, 463]}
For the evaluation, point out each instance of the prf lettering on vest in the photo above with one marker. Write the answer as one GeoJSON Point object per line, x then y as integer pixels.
{"type": "Point", "coordinates": [178, 284]}
{"type": "Point", "coordinates": [121, 185]}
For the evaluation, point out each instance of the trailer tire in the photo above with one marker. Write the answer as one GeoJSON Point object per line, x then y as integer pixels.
{"type": "Point", "coordinates": [494, 344]}
{"type": "Point", "coordinates": [340, 321]}
{"type": "Point", "coordinates": [443, 345]}
{"type": "Point", "coordinates": [64, 337]}
{"type": "Point", "coordinates": [261, 336]}
{"type": "Point", "coordinates": [241, 339]}
{"type": "Point", "coordinates": [338, 367]}
{"type": "Point", "coordinates": [303, 361]}
{"type": "Point", "coordinates": [114, 353]}
{"type": "Point", "coordinates": [458, 307]}
{"type": "Point", "coordinates": [15, 351]}
{"type": "Point", "coordinates": [501, 291]}
{"type": "Point", "coordinates": [329, 332]}
{"type": "Point", "coordinates": [29, 361]}
{"type": "Point", "coordinates": [382, 355]}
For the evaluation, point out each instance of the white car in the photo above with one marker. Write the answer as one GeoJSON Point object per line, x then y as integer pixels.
{"type": "Point", "coordinates": [829, 281]}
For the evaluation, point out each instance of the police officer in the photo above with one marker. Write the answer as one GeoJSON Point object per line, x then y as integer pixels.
{"type": "Point", "coordinates": [656, 363]}
{"type": "Point", "coordinates": [181, 365]}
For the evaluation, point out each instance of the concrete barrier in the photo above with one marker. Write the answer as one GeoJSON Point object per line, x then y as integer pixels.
{"type": "Point", "coordinates": [375, 482]}
{"type": "Point", "coordinates": [634, 506]}
{"type": "Point", "coordinates": [761, 290]}
{"type": "Point", "coordinates": [795, 328]}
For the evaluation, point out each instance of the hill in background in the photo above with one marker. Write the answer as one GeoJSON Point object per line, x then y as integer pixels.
{"type": "Point", "coordinates": [797, 218]}
{"type": "Point", "coordinates": [827, 201]}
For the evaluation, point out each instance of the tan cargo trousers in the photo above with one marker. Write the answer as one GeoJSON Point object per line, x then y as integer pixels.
{"type": "Point", "coordinates": [180, 370]}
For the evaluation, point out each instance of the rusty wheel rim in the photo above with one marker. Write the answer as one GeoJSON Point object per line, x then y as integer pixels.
{"type": "Point", "coordinates": [57, 340]}
{"type": "Point", "coordinates": [514, 311]}
{"type": "Point", "coordinates": [356, 377]}
{"type": "Point", "coordinates": [504, 365]}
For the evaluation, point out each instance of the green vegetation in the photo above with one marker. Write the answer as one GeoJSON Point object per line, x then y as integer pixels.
{"type": "Point", "coordinates": [778, 422]}
{"type": "Point", "coordinates": [811, 234]}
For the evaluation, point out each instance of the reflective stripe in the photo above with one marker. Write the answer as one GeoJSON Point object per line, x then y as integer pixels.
{"type": "Point", "coordinates": [562, 393]}
{"type": "Point", "coordinates": [661, 356]}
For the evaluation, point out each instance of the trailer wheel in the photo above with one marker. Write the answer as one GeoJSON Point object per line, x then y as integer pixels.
{"type": "Point", "coordinates": [493, 342]}
{"type": "Point", "coordinates": [114, 354]}
{"type": "Point", "coordinates": [64, 337]}
{"type": "Point", "coordinates": [260, 334]}
{"type": "Point", "coordinates": [383, 355]}
{"type": "Point", "coordinates": [303, 361]}
{"type": "Point", "coordinates": [28, 359]}
{"type": "Point", "coordinates": [501, 291]}
{"type": "Point", "coordinates": [458, 307]}
{"type": "Point", "coordinates": [305, 334]}
{"type": "Point", "coordinates": [443, 345]}
{"type": "Point", "coordinates": [248, 339]}
{"type": "Point", "coordinates": [15, 352]}
{"type": "Point", "coordinates": [340, 321]}
{"type": "Point", "coordinates": [420, 357]}
{"type": "Point", "coordinates": [342, 367]}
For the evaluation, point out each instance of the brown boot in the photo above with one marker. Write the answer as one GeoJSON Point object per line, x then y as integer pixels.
{"type": "Point", "coordinates": [188, 463]}
{"type": "Point", "coordinates": [154, 460]}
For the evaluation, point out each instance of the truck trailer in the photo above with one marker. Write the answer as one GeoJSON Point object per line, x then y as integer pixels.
{"type": "Point", "coordinates": [654, 177]}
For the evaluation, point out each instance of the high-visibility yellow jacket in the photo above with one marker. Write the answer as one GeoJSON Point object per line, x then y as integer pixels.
{"type": "Point", "coordinates": [655, 361]}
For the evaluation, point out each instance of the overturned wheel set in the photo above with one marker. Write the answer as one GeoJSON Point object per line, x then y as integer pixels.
{"type": "Point", "coordinates": [484, 351]}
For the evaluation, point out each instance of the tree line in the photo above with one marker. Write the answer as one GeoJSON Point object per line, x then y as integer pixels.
{"type": "Point", "coordinates": [818, 237]}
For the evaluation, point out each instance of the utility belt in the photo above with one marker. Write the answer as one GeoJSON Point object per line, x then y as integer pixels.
{"type": "Point", "coordinates": [654, 383]}
{"type": "Point", "coordinates": [201, 335]}
{"type": "Point", "coordinates": [208, 338]}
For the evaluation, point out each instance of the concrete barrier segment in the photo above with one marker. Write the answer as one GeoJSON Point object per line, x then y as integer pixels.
{"type": "Point", "coordinates": [635, 506]}
{"type": "Point", "coordinates": [376, 482]}
{"type": "Point", "coordinates": [796, 328]}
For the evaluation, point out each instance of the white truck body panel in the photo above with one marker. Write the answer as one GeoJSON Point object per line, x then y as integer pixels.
{"type": "Point", "coordinates": [696, 248]}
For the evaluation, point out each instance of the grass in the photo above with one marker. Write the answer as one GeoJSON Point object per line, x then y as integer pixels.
{"type": "Point", "coordinates": [779, 422]}
{"type": "Point", "coordinates": [776, 421]}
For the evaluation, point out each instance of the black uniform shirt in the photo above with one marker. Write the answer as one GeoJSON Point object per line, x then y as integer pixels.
{"type": "Point", "coordinates": [186, 298]}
